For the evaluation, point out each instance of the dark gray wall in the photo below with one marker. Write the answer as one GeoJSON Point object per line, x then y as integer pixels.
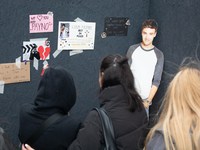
{"type": "Point", "coordinates": [14, 29]}
{"type": "Point", "coordinates": [178, 37]}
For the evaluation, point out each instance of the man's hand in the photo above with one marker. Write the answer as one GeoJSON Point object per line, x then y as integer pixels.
{"type": "Point", "coordinates": [145, 104]}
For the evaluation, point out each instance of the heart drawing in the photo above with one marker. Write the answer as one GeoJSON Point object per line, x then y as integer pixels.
{"type": "Point", "coordinates": [43, 53]}
{"type": "Point", "coordinates": [39, 17]}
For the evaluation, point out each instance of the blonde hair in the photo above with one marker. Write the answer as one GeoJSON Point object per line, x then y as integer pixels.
{"type": "Point", "coordinates": [180, 117]}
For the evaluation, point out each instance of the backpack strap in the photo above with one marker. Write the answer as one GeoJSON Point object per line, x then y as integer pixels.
{"type": "Point", "coordinates": [108, 130]}
{"type": "Point", "coordinates": [35, 136]}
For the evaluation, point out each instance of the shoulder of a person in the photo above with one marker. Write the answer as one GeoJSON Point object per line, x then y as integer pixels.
{"type": "Point", "coordinates": [159, 130]}
{"type": "Point", "coordinates": [157, 140]}
{"type": "Point", "coordinates": [92, 116]}
{"type": "Point", "coordinates": [134, 46]}
{"type": "Point", "coordinates": [26, 107]}
{"type": "Point", "coordinates": [158, 50]}
{"type": "Point", "coordinates": [72, 119]}
{"type": "Point", "coordinates": [92, 120]}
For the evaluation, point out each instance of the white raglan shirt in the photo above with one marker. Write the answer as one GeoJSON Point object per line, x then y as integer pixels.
{"type": "Point", "coordinates": [146, 66]}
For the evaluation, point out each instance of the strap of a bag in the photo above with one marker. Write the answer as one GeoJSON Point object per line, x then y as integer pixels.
{"type": "Point", "coordinates": [35, 136]}
{"type": "Point", "coordinates": [108, 130]}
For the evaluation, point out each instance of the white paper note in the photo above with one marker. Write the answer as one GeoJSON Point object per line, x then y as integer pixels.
{"type": "Point", "coordinates": [2, 87]}
{"type": "Point", "coordinates": [18, 62]}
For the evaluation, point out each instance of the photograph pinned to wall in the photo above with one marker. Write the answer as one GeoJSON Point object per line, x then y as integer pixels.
{"type": "Point", "coordinates": [115, 26]}
{"type": "Point", "coordinates": [76, 35]}
{"type": "Point", "coordinates": [40, 23]}
{"type": "Point", "coordinates": [39, 49]}
{"type": "Point", "coordinates": [64, 30]}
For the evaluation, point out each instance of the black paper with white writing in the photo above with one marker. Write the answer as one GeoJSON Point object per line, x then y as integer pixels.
{"type": "Point", "coordinates": [115, 26]}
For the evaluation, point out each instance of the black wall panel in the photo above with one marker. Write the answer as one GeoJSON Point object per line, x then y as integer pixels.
{"type": "Point", "coordinates": [14, 29]}
{"type": "Point", "coordinates": [178, 37]}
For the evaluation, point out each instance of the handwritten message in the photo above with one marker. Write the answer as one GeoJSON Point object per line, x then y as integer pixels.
{"type": "Point", "coordinates": [76, 35]}
{"type": "Point", "coordinates": [115, 26]}
{"type": "Point", "coordinates": [10, 73]}
{"type": "Point", "coordinates": [41, 23]}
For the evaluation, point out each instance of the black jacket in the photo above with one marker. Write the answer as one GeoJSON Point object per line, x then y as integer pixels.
{"type": "Point", "coordinates": [128, 126]}
{"type": "Point", "coordinates": [56, 93]}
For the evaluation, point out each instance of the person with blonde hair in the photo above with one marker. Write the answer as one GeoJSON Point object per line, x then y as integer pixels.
{"type": "Point", "coordinates": [179, 124]}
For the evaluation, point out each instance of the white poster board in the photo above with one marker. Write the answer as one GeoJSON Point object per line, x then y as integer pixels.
{"type": "Point", "coordinates": [76, 35]}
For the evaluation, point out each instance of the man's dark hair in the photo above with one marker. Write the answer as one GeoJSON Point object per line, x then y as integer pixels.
{"type": "Point", "coordinates": [117, 71]}
{"type": "Point", "coordinates": [150, 23]}
{"type": "Point", "coordinates": [63, 24]}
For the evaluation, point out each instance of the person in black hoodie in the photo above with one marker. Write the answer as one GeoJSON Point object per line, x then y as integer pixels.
{"type": "Point", "coordinates": [56, 94]}
{"type": "Point", "coordinates": [124, 106]}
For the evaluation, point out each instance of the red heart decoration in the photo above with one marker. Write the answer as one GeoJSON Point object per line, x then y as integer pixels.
{"type": "Point", "coordinates": [46, 53]}
{"type": "Point", "coordinates": [43, 55]}
{"type": "Point", "coordinates": [41, 50]}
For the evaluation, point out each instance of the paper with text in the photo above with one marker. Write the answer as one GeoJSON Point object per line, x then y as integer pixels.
{"type": "Point", "coordinates": [10, 73]}
{"type": "Point", "coordinates": [40, 23]}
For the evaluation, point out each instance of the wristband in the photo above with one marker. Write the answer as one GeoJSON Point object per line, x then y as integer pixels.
{"type": "Point", "coordinates": [149, 102]}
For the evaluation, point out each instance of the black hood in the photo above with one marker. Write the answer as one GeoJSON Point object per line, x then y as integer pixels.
{"type": "Point", "coordinates": [56, 91]}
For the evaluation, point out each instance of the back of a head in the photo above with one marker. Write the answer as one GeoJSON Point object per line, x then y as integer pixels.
{"type": "Point", "coordinates": [116, 71]}
{"type": "Point", "coordinates": [181, 110]}
{"type": "Point", "coordinates": [184, 92]}
{"type": "Point", "coordinates": [56, 90]}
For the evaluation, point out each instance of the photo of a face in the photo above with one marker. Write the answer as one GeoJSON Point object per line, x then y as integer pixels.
{"type": "Point", "coordinates": [64, 30]}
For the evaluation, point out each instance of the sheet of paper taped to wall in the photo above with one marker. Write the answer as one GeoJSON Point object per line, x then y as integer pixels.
{"type": "Point", "coordinates": [38, 48]}
{"type": "Point", "coordinates": [10, 73]}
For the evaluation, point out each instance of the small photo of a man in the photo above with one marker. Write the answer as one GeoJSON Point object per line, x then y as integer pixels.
{"type": "Point", "coordinates": [64, 30]}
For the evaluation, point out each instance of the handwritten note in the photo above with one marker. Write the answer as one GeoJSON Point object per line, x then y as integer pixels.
{"type": "Point", "coordinates": [10, 73]}
{"type": "Point", "coordinates": [40, 23]}
{"type": "Point", "coordinates": [115, 26]}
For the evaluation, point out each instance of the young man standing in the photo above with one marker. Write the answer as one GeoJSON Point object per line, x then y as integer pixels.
{"type": "Point", "coordinates": [146, 63]}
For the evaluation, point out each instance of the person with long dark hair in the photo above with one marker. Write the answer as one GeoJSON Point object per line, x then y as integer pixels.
{"type": "Point", "coordinates": [123, 104]}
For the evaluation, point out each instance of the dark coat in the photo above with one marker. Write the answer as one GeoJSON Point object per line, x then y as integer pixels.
{"type": "Point", "coordinates": [56, 93]}
{"type": "Point", "coordinates": [128, 126]}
